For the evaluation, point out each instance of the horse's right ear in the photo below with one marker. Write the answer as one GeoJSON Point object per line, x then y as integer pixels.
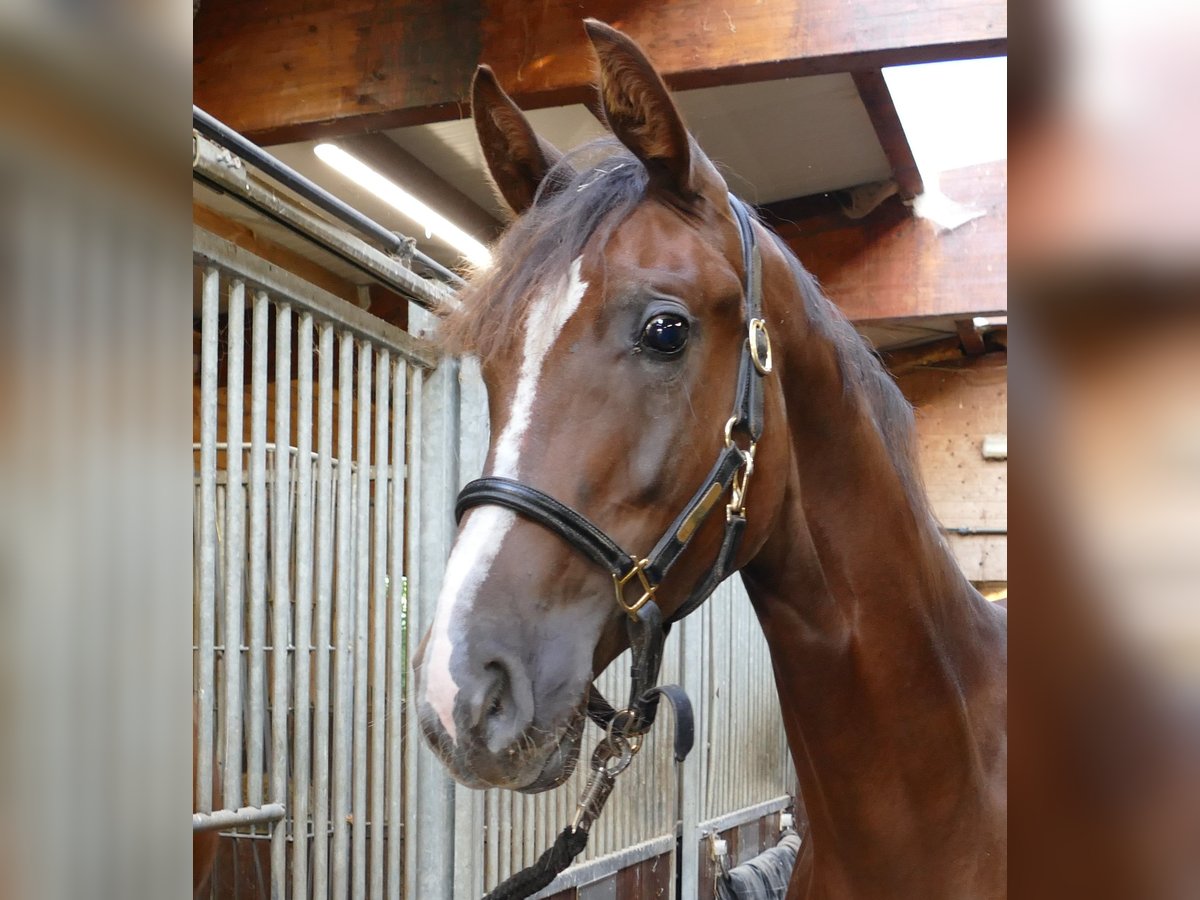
{"type": "Point", "coordinates": [517, 159]}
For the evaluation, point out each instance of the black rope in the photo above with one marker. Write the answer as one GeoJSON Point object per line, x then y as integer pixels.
{"type": "Point", "coordinates": [527, 882]}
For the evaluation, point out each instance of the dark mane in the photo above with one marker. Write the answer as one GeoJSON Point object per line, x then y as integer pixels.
{"type": "Point", "coordinates": [572, 204]}
{"type": "Point", "coordinates": [863, 373]}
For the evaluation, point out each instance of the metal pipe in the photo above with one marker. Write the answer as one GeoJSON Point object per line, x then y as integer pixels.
{"type": "Point", "coordinates": [235, 558]}
{"type": "Point", "coordinates": [280, 591]}
{"type": "Point", "coordinates": [967, 530]}
{"type": "Point", "coordinates": [380, 622]}
{"type": "Point", "coordinates": [320, 877]}
{"type": "Point", "coordinates": [291, 179]}
{"type": "Point", "coordinates": [209, 330]}
{"type": "Point", "coordinates": [361, 619]}
{"type": "Point", "coordinates": [256, 688]}
{"type": "Point", "coordinates": [396, 637]}
{"type": "Point", "coordinates": [237, 818]}
{"type": "Point", "coordinates": [343, 639]}
{"type": "Point", "coordinates": [302, 634]}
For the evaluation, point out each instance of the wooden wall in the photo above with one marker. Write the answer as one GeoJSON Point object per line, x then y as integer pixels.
{"type": "Point", "coordinates": [955, 408]}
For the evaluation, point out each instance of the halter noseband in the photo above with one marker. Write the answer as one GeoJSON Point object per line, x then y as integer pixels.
{"type": "Point", "coordinates": [731, 473]}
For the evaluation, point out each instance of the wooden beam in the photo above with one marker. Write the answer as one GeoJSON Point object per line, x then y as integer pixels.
{"type": "Point", "coordinates": [873, 90]}
{"type": "Point", "coordinates": [894, 265]}
{"type": "Point", "coordinates": [907, 358]}
{"type": "Point", "coordinates": [394, 162]}
{"type": "Point", "coordinates": [968, 334]}
{"type": "Point", "coordinates": [281, 70]}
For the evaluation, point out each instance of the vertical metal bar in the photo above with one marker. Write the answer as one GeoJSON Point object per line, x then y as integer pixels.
{"type": "Point", "coordinates": [210, 305]}
{"type": "Point", "coordinates": [258, 552]}
{"type": "Point", "coordinates": [302, 638]}
{"type": "Point", "coordinates": [362, 611]}
{"type": "Point", "coordinates": [396, 637]}
{"type": "Point", "coordinates": [412, 733]}
{"type": "Point", "coordinates": [343, 641]}
{"type": "Point", "coordinates": [379, 606]}
{"type": "Point", "coordinates": [691, 780]}
{"type": "Point", "coordinates": [432, 834]}
{"type": "Point", "coordinates": [324, 583]}
{"type": "Point", "coordinates": [281, 592]}
{"type": "Point", "coordinates": [235, 557]}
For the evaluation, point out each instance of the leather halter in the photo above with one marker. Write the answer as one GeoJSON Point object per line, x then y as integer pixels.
{"type": "Point", "coordinates": [730, 473]}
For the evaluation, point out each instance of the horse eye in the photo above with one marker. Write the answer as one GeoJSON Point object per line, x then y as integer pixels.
{"type": "Point", "coordinates": [665, 333]}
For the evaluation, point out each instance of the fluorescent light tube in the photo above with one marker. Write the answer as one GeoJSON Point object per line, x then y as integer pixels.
{"type": "Point", "coordinates": [395, 196]}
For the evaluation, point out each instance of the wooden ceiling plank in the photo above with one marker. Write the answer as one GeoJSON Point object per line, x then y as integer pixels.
{"type": "Point", "coordinates": [892, 265]}
{"type": "Point", "coordinates": [281, 70]}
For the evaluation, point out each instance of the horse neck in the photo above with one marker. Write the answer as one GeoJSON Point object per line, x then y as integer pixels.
{"type": "Point", "coordinates": [888, 662]}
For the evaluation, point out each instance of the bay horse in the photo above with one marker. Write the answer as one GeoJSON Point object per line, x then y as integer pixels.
{"type": "Point", "coordinates": [612, 331]}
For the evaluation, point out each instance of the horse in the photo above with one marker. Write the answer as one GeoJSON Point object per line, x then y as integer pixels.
{"type": "Point", "coordinates": [612, 332]}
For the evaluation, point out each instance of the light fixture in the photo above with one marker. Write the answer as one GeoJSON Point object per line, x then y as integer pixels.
{"type": "Point", "coordinates": [388, 191]}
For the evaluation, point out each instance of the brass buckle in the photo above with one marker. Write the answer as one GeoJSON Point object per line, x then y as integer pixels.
{"type": "Point", "coordinates": [763, 365]}
{"type": "Point", "coordinates": [741, 481]}
{"type": "Point", "coordinates": [648, 589]}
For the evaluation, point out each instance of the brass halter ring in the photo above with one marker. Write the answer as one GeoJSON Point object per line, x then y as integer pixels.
{"type": "Point", "coordinates": [648, 589]}
{"type": "Point", "coordinates": [757, 327]}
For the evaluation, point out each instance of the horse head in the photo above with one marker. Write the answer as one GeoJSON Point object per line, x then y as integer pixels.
{"type": "Point", "coordinates": [610, 331]}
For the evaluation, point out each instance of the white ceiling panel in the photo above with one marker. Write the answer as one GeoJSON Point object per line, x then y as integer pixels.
{"type": "Point", "coordinates": [781, 139]}
{"type": "Point", "coordinates": [773, 140]}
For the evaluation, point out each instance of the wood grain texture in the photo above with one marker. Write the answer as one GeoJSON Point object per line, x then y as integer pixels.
{"type": "Point", "coordinates": [290, 70]}
{"type": "Point", "coordinates": [894, 265]}
{"type": "Point", "coordinates": [955, 409]}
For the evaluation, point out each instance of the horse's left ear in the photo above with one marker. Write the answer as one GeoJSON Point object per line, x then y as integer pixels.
{"type": "Point", "coordinates": [640, 111]}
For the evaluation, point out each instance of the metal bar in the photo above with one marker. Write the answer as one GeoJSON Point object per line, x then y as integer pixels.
{"type": "Point", "coordinates": [343, 640]}
{"type": "Point", "coordinates": [237, 818]}
{"type": "Point", "coordinates": [747, 814]}
{"type": "Point", "coordinates": [219, 170]}
{"type": "Point", "coordinates": [209, 248]}
{"type": "Point", "coordinates": [256, 687]}
{"type": "Point", "coordinates": [396, 637]}
{"type": "Point", "coordinates": [318, 196]}
{"type": "Point", "coordinates": [235, 557]}
{"type": "Point", "coordinates": [603, 866]}
{"type": "Point", "coordinates": [302, 636]}
{"type": "Point", "coordinates": [320, 876]}
{"type": "Point", "coordinates": [379, 605]}
{"type": "Point", "coordinates": [281, 591]}
{"type": "Point", "coordinates": [209, 329]}
{"type": "Point", "coordinates": [362, 620]}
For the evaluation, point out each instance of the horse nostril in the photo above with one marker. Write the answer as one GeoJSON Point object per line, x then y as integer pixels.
{"type": "Point", "coordinates": [496, 706]}
{"type": "Point", "coordinates": [505, 707]}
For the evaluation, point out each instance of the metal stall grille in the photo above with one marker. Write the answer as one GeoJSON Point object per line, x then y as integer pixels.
{"type": "Point", "coordinates": [303, 538]}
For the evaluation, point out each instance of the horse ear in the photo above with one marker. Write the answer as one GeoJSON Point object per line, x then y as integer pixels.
{"type": "Point", "coordinates": [640, 111]}
{"type": "Point", "coordinates": [516, 157]}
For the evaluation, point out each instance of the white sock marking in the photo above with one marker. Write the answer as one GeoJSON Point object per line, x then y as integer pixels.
{"type": "Point", "coordinates": [477, 546]}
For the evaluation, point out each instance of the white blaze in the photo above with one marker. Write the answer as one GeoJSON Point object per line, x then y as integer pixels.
{"type": "Point", "coordinates": [480, 540]}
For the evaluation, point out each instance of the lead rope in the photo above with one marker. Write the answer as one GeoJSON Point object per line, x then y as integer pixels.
{"type": "Point", "coordinates": [624, 731]}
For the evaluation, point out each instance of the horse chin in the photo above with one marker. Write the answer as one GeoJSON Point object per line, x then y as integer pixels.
{"type": "Point", "coordinates": [560, 764]}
